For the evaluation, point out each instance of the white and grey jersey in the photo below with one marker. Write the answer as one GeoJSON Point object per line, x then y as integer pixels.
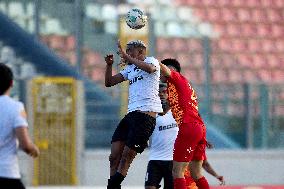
{"type": "Point", "coordinates": [143, 87]}
{"type": "Point", "coordinates": [163, 138]}
{"type": "Point", "coordinates": [11, 117]}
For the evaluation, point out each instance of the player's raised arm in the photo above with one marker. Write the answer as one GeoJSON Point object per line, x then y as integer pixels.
{"type": "Point", "coordinates": [139, 54]}
{"type": "Point", "coordinates": [111, 80]}
{"type": "Point", "coordinates": [165, 71]}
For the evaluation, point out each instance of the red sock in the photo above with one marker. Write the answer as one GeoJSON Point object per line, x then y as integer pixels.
{"type": "Point", "coordinates": [202, 183]}
{"type": "Point", "coordinates": [179, 183]}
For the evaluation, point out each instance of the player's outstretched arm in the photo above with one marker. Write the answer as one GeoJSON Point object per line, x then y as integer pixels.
{"type": "Point", "coordinates": [111, 80]}
{"type": "Point", "coordinates": [165, 71]}
{"type": "Point", "coordinates": [149, 68]}
{"type": "Point", "coordinates": [26, 143]}
{"type": "Point", "coordinates": [209, 169]}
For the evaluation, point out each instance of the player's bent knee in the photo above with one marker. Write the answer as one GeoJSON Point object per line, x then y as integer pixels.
{"type": "Point", "coordinates": [114, 160]}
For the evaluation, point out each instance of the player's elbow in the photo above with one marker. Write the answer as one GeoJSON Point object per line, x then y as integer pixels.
{"type": "Point", "coordinates": [107, 84]}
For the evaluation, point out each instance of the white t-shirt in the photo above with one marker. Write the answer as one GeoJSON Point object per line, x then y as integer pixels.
{"type": "Point", "coordinates": [11, 117]}
{"type": "Point", "coordinates": [163, 138]}
{"type": "Point", "coordinates": [143, 87]}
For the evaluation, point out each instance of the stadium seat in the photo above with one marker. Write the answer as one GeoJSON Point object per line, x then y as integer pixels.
{"type": "Point", "coordinates": [93, 11]}
{"type": "Point", "coordinates": [185, 13]}
{"type": "Point", "coordinates": [8, 55]}
{"type": "Point", "coordinates": [278, 76]}
{"type": "Point", "coordinates": [277, 31]}
{"type": "Point", "coordinates": [265, 75]}
{"type": "Point", "coordinates": [185, 60]}
{"type": "Point", "coordinates": [233, 30]}
{"type": "Point", "coordinates": [179, 44]}
{"type": "Point", "coordinates": [53, 26]}
{"type": "Point", "coordinates": [56, 42]}
{"type": "Point", "coordinates": [257, 15]}
{"type": "Point", "coordinates": [30, 10]}
{"type": "Point", "coordinates": [97, 74]}
{"type": "Point", "coordinates": [197, 60]}
{"type": "Point", "coordinates": [220, 29]}
{"type": "Point", "coordinates": [194, 45]}
{"type": "Point", "coordinates": [71, 57]}
{"type": "Point", "coordinates": [16, 10]}
{"type": "Point", "coordinates": [235, 109]}
{"type": "Point", "coordinates": [174, 28]}
{"type": "Point", "coordinates": [213, 14]}
{"type": "Point", "coordinates": [163, 44]}
{"type": "Point", "coordinates": [228, 14]}
{"type": "Point", "coordinates": [244, 60]}
{"type": "Point", "coordinates": [274, 15]}
{"type": "Point", "coordinates": [249, 76]}
{"type": "Point", "coordinates": [258, 61]}
{"type": "Point", "coordinates": [272, 61]}
{"type": "Point", "coordinates": [109, 12]}
{"type": "Point", "coordinates": [217, 108]}
{"type": "Point", "coordinates": [244, 14]}
{"type": "Point", "coordinates": [219, 76]}
{"type": "Point", "coordinates": [279, 44]}
{"type": "Point", "coordinates": [235, 76]}
{"type": "Point", "coordinates": [254, 45]}
{"type": "Point", "coordinates": [93, 59]}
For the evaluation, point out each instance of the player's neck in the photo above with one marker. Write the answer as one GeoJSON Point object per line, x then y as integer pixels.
{"type": "Point", "coordinates": [7, 93]}
{"type": "Point", "coordinates": [164, 112]}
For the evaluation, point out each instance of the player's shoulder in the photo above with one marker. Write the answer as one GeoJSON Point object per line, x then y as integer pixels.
{"type": "Point", "coordinates": [151, 59]}
{"type": "Point", "coordinates": [14, 104]}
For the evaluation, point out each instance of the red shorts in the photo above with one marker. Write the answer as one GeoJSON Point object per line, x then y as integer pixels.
{"type": "Point", "coordinates": [190, 143]}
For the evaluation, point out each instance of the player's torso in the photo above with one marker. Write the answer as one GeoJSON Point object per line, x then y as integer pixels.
{"type": "Point", "coordinates": [143, 89]}
{"type": "Point", "coordinates": [8, 141]}
{"type": "Point", "coordinates": [163, 137]}
{"type": "Point", "coordinates": [183, 99]}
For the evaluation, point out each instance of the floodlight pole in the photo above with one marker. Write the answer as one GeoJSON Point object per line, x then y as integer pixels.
{"type": "Point", "coordinates": [207, 69]}
{"type": "Point", "coordinates": [37, 10]}
{"type": "Point", "coordinates": [78, 32]}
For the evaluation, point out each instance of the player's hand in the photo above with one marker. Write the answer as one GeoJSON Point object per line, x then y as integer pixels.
{"type": "Point", "coordinates": [221, 179]}
{"type": "Point", "coordinates": [34, 152]}
{"type": "Point", "coordinates": [109, 59]}
{"type": "Point", "coordinates": [209, 145]}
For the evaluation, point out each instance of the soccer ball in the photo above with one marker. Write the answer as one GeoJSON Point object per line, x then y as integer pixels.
{"type": "Point", "coordinates": [136, 19]}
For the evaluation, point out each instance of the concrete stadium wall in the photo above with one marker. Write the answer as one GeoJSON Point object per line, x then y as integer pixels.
{"type": "Point", "coordinates": [265, 167]}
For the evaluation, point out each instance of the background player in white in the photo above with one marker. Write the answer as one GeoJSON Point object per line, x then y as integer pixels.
{"type": "Point", "coordinates": [161, 150]}
{"type": "Point", "coordinates": [134, 130]}
{"type": "Point", "coordinates": [13, 133]}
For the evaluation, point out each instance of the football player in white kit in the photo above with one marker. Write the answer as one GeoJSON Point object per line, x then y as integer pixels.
{"type": "Point", "coordinates": [134, 130]}
{"type": "Point", "coordinates": [161, 146]}
{"type": "Point", "coordinates": [13, 133]}
{"type": "Point", "coordinates": [161, 150]}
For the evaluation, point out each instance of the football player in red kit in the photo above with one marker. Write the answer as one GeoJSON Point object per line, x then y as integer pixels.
{"type": "Point", "coordinates": [191, 142]}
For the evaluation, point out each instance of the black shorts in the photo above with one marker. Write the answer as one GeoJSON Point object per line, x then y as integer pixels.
{"type": "Point", "coordinates": [158, 169]}
{"type": "Point", "coordinates": [135, 129]}
{"type": "Point", "coordinates": [11, 183]}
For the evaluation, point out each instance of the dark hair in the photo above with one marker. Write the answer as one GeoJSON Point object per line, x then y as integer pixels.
{"type": "Point", "coordinates": [135, 44]}
{"type": "Point", "coordinates": [172, 62]}
{"type": "Point", "coordinates": [6, 78]}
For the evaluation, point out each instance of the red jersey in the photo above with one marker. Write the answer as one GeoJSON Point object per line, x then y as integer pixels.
{"type": "Point", "coordinates": [183, 99]}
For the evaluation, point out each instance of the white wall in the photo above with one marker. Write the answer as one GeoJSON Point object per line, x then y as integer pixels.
{"type": "Point", "coordinates": [238, 168]}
